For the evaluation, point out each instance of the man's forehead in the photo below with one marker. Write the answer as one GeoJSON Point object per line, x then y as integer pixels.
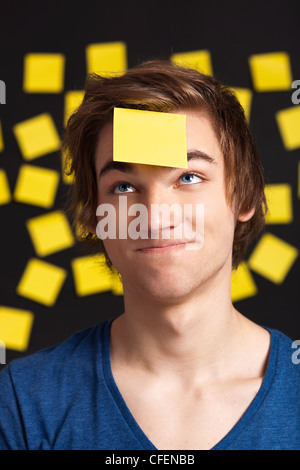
{"type": "Point", "coordinates": [104, 155]}
{"type": "Point", "coordinates": [132, 168]}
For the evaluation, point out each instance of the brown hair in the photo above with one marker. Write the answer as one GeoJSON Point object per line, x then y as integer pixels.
{"type": "Point", "coordinates": [163, 86]}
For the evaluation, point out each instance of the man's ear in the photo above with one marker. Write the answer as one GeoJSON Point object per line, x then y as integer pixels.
{"type": "Point", "coordinates": [245, 216]}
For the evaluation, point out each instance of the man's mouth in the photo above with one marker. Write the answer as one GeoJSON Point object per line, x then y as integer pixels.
{"type": "Point", "coordinates": [162, 246]}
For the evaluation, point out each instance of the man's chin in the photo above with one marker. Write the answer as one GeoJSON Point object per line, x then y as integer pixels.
{"type": "Point", "coordinates": [167, 289]}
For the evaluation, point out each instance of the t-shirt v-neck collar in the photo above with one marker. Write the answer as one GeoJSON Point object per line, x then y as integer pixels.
{"type": "Point", "coordinates": [225, 442]}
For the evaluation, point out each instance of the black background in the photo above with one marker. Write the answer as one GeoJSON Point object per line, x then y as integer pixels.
{"type": "Point", "coordinates": [231, 31]}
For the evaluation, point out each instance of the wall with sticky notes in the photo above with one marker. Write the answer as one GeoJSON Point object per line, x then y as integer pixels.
{"type": "Point", "coordinates": [1, 139]}
{"type": "Point", "coordinates": [49, 286]}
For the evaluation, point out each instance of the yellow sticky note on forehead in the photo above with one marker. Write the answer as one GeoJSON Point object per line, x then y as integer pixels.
{"type": "Point", "coordinates": [150, 138]}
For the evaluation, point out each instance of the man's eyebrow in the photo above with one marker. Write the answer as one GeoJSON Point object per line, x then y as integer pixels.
{"type": "Point", "coordinates": [113, 165]}
{"type": "Point", "coordinates": [126, 167]}
{"type": "Point", "coordinates": [199, 155]}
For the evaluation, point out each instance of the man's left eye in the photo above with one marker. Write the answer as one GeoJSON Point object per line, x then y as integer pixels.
{"type": "Point", "coordinates": [191, 178]}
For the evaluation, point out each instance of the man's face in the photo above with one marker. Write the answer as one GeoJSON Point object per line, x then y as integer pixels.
{"type": "Point", "coordinates": [169, 272]}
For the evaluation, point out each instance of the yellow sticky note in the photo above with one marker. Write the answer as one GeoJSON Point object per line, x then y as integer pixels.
{"type": "Point", "coordinates": [91, 275]}
{"type": "Point", "coordinates": [15, 327]}
{"type": "Point", "coordinates": [106, 59]}
{"type": "Point", "coordinates": [41, 282]}
{"type": "Point", "coordinates": [116, 285]}
{"type": "Point", "coordinates": [150, 137]}
{"type": "Point", "coordinates": [244, 95]}
{"type": "Point", "coordinates": [37, 136]}
{"type": "Point", "coordinates": [199, 60]}
{"type": "Point", "coordinates": [288, 121]}
{"type": "Point", "coordinates": [242, 283]}
{"type": "Point", "coordinates": [43, 73]}
{"type": "Point", "coordinates": [65, 167]}
{"type": "Point", "coordinates": [280, 203]}
{"type": "Point", "coordinates": [273, 258]}
{"type": "Point", "coordinates": [36, 186]}
{"type": "Point", "coordinates": [5, 195]}
{"type": "Point", "coordinates": [1, 139]}
{"type": "Point", "coordinates": [50, 233]}
{"type": "Point", "coordinates": [73, 99]}
{"type": "Point", "coordinates": [271, 71]}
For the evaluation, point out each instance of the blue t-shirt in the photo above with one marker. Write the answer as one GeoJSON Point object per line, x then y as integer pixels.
{"type": "Point", "coordinates": [65, 397]}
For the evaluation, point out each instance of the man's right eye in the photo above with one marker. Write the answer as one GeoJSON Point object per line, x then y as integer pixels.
{"type": "Point", "coordinates": [121, 188]}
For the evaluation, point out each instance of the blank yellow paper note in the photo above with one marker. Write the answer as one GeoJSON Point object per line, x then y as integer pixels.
{"type": "Point", "coordinates": [36, 186]}
{"type": "Point", "coordinates": [1, 139]}
{"type": "Point", "coordinates": [37, 136]}
{"type": "Point", "coordinates": [73, 100]}
{"type": "Point", "coordinates": [44, 73]}
{"type": "Point", "coordinates": [242, 283]}
{"type": "Point", "coordinates": [273, 258]}
{"type": "Point", "coordinates": [279, 200]}
{"type": "Point", "coordinates": [199, 60]}
{"type": "Point", "coordinates": [116, 285]}
{"type": "Point", "coordinates": [15, 327]}
{"type": "Point", "coordinates": [5, 196]}
{"type": "Point", "coordinates": [271, 71]}
{"type": "Point", "coordinates": [41, 282]}
{"type": "Point", "coordinates": [92, 276]}
{"type": "Point", "coordinates": [288, 121]}
{"type": "Point", "coordinates": [150, 138]}
{"type": "Point", "coordinates": [244, 95]}
{"type": "Point", "coordinates": [50, 233]}
{"type": "Point", "coordinates": [106, 59]}
{"type": "Point", "coordinates": [65, 166]}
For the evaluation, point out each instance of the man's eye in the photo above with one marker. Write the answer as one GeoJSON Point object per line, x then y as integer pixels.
{"type": "Point", "coordinates": [191, 178]}
{"type": "Point", "coordinates": [122, 188]}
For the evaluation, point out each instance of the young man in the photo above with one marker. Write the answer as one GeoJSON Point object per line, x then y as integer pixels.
{"type": "Point", "coordinates": [181, 368]}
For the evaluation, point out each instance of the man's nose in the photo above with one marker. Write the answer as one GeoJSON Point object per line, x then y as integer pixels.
{"type": "Point", "coordinates": [164, 211]}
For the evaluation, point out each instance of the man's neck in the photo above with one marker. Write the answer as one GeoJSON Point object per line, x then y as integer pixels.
{"type": "Point", "coordinates": [197, 334]}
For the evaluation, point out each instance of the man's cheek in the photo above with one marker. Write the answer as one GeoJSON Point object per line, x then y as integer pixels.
{"type": "Point", "coordinates": [218, 223]}
{"type": "Point", "coordinates": [194, 226]}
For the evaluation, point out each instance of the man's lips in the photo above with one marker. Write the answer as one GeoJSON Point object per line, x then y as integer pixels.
{"type": "Point", "coordinates": [163, 246]}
